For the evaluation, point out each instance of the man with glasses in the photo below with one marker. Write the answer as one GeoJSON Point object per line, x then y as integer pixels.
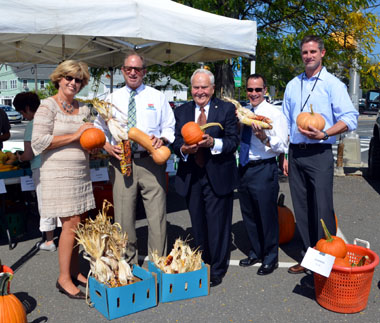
{"type": "Point", "coordinates": [258, 171]}
{"type": "Point", "coordinates": [147, 109]}
{"type": "Point", "coordinates": [311, 162]}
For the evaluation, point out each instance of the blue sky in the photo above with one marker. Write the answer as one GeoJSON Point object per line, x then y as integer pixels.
{"type": "Point", "coordinates": [377, 48]}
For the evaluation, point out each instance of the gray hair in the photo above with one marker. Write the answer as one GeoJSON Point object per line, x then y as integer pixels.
{"type": "Point", "coordinates": [204, 71]}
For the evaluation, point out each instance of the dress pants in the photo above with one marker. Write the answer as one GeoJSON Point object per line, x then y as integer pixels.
{"type": "Point", "coordinates": [211, 219]}
{"type": "Point", "coordinates": [258, 191]}
{"type": "Point", "coordinates": [148, 178]}
{"type": "Point", "coordinates": [311, 172]}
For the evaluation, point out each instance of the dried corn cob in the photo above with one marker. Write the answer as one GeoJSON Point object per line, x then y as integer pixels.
{"type": "Point", "coordinates": [104, 244]}
{"type": "Point", "coordinates": [180, 260]}
{"type": "Point", "coordinates": [247, 117]}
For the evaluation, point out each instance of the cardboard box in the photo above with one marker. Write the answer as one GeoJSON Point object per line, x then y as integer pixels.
{"type": "Point", "coordinates": [120, 301]}
{"type": "Point", "coordinates": [175, 287]}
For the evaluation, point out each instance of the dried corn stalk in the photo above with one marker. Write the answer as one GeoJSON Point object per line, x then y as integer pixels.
{"type": "Point", "coordinates": [105, 248]}
{"type": "Point", "coordinates": [247, 117]}
{"type": "Point", "coordinates": [181, 259]}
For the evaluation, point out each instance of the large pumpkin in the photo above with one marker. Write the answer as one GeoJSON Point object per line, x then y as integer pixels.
{"type": "Point", "coordinates": [306, 119]}
{"type": "Point", "coordinates": [11, 309]}
{"type": "Point", "coordinates": [286, 221]}
{"type": "Point", "coordinates": [92, 138]}
{"type": "Point", "coordinates": [331, 245]}
{"type": "Point", "coordinates": [192, 132]}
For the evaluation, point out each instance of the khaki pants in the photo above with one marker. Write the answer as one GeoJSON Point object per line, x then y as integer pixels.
{"type": "Point", "coordinates": [148, 178]}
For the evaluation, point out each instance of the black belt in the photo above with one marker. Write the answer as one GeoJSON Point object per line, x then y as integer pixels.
{"type": "Point", "coordinates": [260, 161]}
{"type": "Point", "coordinates": [140, 154]}
{"type": "Point", "coordinates": [309, 146]}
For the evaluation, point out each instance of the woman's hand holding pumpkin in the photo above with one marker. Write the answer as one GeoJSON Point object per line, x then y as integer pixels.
{"type": "Point", "coordinates": [82, 129]}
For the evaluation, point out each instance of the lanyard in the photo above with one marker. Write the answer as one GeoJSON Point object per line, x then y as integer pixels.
{"type": "Point", "coordinates": [307, 99]}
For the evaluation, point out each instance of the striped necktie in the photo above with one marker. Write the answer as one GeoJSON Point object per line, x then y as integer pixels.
{"type": "Point", "coordinates": [132, 116]}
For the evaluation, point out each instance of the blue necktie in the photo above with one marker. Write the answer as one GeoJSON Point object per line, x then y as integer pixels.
{"type": "Point", "coordinates": [244, 145]}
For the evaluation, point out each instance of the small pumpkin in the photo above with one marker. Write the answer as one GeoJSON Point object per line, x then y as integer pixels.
{"type": "Point", "coordinates": [192, 132]}
{"type": "Point", "coordinates": [286, 221]}
{"type": "Point", "coordinates": [331, 245]}
{"type": "Point", "coordinates": [11, 309]}
{"type": "Point", "coordinates": [306, 119]}
{"type": "Point", "coordinates": [343, 262]}
{"type": "Point", "coordinates": [92, 138]}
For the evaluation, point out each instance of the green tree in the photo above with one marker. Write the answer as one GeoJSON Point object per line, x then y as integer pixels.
{"type": "Point", "coordinates": [282, 24]}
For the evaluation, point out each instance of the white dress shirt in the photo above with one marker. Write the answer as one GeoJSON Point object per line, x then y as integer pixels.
{"type": "Point", "coordinates": [278, 135]}
{"type": "Point", "coordinates": [154, 116]}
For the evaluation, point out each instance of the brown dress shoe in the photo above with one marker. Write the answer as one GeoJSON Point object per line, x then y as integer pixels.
{"type": "Point", "coordinates": [297, 269]}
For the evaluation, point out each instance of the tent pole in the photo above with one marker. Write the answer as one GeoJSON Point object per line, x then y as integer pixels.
{"type": "Point", "coordinates": [111, 72]}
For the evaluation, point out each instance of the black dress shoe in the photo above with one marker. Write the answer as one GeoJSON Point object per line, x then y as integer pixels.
{"type": "Point", "coordinates": [215, 281]}
{"type": "Point", "coordinates": [78, 282]}
{"type": "Point", "coordinates": [79, 295]}
{"type": "Point", "coordinates": [246, 262]}
{"type": "Point", "coordinates": [267, 269]}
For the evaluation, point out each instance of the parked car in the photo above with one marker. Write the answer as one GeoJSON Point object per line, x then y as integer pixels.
{"type": "Point", "coordinates": [374, 151]}
{"type": "Point", "coordinates": [13, 115]}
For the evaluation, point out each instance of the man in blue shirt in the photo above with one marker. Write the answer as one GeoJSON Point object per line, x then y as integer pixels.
{"type": "Point", "coordinates": [311, 162]}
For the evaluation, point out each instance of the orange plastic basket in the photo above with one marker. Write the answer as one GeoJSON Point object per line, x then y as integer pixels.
{"type": "Point", "coordinates": [347, 289]}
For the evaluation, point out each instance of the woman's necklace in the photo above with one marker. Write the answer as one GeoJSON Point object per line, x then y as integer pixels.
{"type": "Point", "coordinates": [69, 108]}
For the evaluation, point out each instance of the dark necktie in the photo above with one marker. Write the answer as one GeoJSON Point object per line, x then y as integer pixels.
{"type": "Point", "coordinates": [244, 145]}
{"type": "Point", "coordinates": [200, 154]}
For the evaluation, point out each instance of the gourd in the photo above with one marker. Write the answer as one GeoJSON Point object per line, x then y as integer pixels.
{"type": "Point", "coordinates": [11, 309]}
{"type": "Point", "coordinates": [286, 221]}
{"type": "Point", "coordinates": [306, 119]}
{"type": "Point", "coordinates": [192, 132]}
{"type": "Point", "coordinates": [331, 245]}
{"type": "Point", "coordinates": [92, 138]}
{"type": "Point", "coordinates": [160, 155]}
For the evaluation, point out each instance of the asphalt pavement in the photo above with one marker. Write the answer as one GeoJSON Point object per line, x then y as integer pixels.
{"type": "Point", "coordinates": [243, 296]}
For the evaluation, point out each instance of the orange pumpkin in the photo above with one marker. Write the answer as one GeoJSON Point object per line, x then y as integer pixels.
{"type": "Point", "coordinates": [343, 262]}
{"type": "Point", "coordinates": [306, 119]}
{"type": "Point", "coordinates": [286, 221]}
{"type": "Point", "coordinates": [92, 138]}
{"type": "Point", "coordinates": [11, 309]}
{"type": "Point", "coordinates": [331, 245]}
{"type": "Point", "coordinates": [192, 132]}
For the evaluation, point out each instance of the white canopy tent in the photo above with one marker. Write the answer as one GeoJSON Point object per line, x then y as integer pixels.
{"type": "Point", "coordinates": [100, 32]}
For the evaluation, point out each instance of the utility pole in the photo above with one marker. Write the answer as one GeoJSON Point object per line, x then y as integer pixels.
{"type": "Point", "coordinates": [352, 153]}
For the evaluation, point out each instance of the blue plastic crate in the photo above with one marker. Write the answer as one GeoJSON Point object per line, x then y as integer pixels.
{"type": "Point", "coordinates": [12, 173]}
{"type": "Point", "coordinates": [175, 287]}
{"type": "Point", "coordinates": [120, 301]}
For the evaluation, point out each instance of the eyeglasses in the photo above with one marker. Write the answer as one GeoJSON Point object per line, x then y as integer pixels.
{"type": "Point", "coordinates": [128, 69]}
{"type": "Point", "coordinates": [257, 89]}
{"type": "Point", "coordinates": [69, 78]}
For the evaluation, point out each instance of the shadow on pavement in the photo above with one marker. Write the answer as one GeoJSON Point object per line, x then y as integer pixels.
{"type": "Point", "coordinates": [305, 287]}
{"type": "Point", "coordinates": [173, 232]}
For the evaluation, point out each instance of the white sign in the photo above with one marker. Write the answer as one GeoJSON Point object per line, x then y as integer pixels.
{"type": "Point", "coordinates": [99, 174]}
{"type": "Point", "coordinates": [319, 262]}
{"type": "Point", "coordinates": [3, 190]}
{"type": "Point", "coordinates": [27, 183]}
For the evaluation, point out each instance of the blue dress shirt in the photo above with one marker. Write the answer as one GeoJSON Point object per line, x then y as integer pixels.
{"type": "Point", "coordinates": [329, 98]}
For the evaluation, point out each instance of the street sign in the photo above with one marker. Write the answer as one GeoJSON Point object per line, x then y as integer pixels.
{"type": "Point", "coordinates": [238, 72]}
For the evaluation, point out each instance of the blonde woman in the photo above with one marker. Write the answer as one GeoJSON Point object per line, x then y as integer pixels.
{"type": "Point", "coordinates": [66, 189]}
